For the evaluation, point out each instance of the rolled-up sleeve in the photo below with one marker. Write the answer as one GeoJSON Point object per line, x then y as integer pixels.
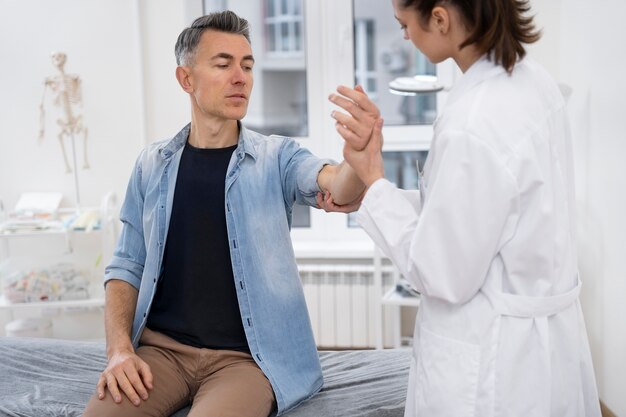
{"type": "Point", "coordinates": [129, 256]}
{"type": "Point", "coordinates": [299, 170]}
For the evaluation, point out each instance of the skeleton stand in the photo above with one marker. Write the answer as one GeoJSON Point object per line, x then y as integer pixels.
{"type": "Point", "coordinates": [76, 187]}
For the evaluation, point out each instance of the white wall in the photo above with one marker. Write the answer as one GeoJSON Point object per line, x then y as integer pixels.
{"type": "Point", "coordinates": [123, 50]}
{"type": "Point", "coordinates": [166, 106]}
{"type": "Point", "coordinates": [99, 38]}
{"type": "Point", "coordinates": [588, 54]}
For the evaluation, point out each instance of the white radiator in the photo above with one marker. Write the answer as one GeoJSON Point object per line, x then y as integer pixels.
{"type": "Point", "coordinates": [342, 302]}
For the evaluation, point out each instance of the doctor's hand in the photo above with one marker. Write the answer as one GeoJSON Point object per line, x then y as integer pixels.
{"type": "Point", "coordinates": [128, 372]}
{"type": "Point", "coordinates": [357, 126]}
{"type": "Point", "coordinates": [368, 162]}
{"type": "Point", "coordinates": [326, 203]}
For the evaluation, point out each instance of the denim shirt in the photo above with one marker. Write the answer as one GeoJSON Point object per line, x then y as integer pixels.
{"type": "Point", "coordinates": [265, 176]}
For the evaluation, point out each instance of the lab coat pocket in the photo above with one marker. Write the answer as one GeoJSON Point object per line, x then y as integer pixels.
{"type": "Point", "coordinates": [447, 376]}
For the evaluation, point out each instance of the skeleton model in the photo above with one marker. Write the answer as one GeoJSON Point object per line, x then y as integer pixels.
{"type": "Point", "coordinates": [67, 95]}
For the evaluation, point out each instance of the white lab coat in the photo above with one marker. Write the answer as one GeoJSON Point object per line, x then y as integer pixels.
{"type": "Point", "coordinates": [489, 242]}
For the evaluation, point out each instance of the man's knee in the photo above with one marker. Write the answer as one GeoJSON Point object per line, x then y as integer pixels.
{"type": "Point", "coordinates": [109, 408]}
{"type": "Point", "coordinates": [238, 390]}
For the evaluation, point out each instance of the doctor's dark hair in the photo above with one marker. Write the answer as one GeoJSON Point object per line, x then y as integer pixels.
{"type": "Point", "coordinates": [189, 38]}
{"type": "Point", "coordinates": [498, 28]}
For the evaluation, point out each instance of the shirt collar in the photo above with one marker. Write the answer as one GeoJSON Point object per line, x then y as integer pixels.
{"type": "Point", "coordinates": [245, 145]}
{"type": "Point", "coordinates": [170, 147]}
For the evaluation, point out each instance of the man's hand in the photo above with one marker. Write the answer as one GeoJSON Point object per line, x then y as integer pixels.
{"type": "Point", "coordinates": [368, 162]}
{"type": "Point", "coordinates": [325, 202]}
{"type": "Point", "coordinates": [128, 372]}
{"type": "Point", "coordinates": [357, 126]}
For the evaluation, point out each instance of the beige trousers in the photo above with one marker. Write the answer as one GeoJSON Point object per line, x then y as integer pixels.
{"type": "Point", "coordinates": [217, 383]}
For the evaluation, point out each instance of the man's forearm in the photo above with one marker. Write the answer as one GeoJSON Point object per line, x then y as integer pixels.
{"type": "Point", "coordinates": [121, 300]}
{"type": "Point", "coordinates": [345, 186]}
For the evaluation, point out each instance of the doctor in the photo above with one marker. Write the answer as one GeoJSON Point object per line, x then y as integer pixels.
{"type": "Point", "coordinates": [489, 240]}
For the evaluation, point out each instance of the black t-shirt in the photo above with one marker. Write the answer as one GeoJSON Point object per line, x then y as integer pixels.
{"type": "Point", "coordinates": [196, 302]}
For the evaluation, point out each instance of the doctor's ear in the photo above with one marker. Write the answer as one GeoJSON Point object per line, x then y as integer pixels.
{"type": "Point", "coordinates": [183, 75]}
{"type": "Point", "coordinates": [440, 20]}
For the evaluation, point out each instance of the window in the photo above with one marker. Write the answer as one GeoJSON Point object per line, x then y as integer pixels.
{"type": "Point", "coordinates": [278, 104]}
{"type": "Point", "coordinates": [378, 39]}
{"type": "Point", "coordinates": [283, 24]}
{"type": "Point", "coordinates": [304, 49]}
{"type": "Point", "coordinates": [365, 56]}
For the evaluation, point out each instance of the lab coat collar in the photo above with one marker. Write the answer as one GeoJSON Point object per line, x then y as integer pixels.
{"type": "Point", "coordinates": [480, 70]}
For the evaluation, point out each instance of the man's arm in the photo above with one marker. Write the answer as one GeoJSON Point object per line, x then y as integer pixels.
{"type": "Point", "coordinates": [121, 301]}
{"type": "Point", "coordinates": [125, 370]}
{"type": "Point", "coordinates": [342, 183]}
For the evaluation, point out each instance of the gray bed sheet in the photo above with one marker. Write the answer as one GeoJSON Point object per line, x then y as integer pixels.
{"type": "Point", "coordinates": [53, 378]}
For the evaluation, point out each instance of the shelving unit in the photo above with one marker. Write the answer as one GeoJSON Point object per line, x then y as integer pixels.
{"type": "Point", "coordinates": [392, 298]}
{"type": "Point", "coordinates": [88, 302]}
{"type": "Point", "coordinates": [57, 244]}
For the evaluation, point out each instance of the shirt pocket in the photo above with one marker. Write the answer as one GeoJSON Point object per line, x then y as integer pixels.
{"type": "Point", "coordinates": [447, 376]}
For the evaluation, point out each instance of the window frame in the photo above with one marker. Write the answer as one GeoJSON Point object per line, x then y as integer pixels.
{"type": "Point", "coordinates": [276, 21]}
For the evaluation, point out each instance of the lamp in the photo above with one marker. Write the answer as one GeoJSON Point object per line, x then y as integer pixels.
{"type": "Point", "coordinates": [411, 86]}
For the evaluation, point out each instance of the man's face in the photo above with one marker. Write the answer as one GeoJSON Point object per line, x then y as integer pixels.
{"type": "Point", "coordinates": [221, 75]}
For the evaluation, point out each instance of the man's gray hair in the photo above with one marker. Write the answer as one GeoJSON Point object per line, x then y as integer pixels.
{"type": "Point", "coordinates": [188, 40]}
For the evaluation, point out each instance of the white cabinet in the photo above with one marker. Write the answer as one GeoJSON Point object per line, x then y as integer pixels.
{"type": "Point", "coordinates": [40, 252]}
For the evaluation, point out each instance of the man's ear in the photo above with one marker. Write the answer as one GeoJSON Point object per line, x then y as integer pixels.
{"type": "Point", "coordinates": [440, 19]}
{"type": "Point", "coordinates": [183, 75]}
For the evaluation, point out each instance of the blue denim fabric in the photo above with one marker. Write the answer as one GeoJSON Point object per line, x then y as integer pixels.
{"type": "Point", "coordinates": [266, 175]}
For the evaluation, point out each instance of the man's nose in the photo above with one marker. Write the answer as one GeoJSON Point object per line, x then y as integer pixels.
{"type": "Point", "coordinates": [239, 76]}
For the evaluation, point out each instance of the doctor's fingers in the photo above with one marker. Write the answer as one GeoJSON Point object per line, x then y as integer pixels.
{"type": "Point", "coordinates": [360, 98]}
{"type": "Point", "coordinates": [356, 141]}
{"type": "Point", "coordinates": [358, 119]}
{"type": "Point", "coordinates": [351, 107]}
{"type": "Point", "coordinates": [325, 202]}
{"type": "Point", "coordinates": [374, 139]}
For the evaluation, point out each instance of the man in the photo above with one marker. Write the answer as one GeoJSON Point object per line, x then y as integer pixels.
{"type": "Point", "coordinates": [203, 299]}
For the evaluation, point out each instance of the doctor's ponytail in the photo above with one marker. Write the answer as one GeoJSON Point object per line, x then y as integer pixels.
{"type": "Point", "coordinates": [498, 28]}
